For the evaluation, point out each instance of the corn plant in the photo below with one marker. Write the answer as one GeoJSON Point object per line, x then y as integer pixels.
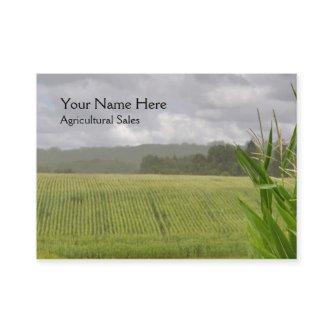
{"type": "Point", "coordinates": [272, 231]}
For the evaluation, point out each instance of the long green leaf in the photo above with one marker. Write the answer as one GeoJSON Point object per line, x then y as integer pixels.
{"type": "Point", "coordinates": [258, 240]}
{"type": "Point", "coordinates": [245, 166]}
{"type": "Point", "coordinates": [263, 252]}
{"type": "Point", "coordinates": [254, 166]}
{"type": "Point", "coordinates": [288, 217]}
{"type": "Point", "coordinates": [257, 222]}
{"type": "Point", "coordinates": [290, 221]}
{"type": "Point", "coordinates": [269, 149]}
{"type": "Point", "coordinates": [281, 241]}
{"type": "Point", "coordinates": [290, 149]}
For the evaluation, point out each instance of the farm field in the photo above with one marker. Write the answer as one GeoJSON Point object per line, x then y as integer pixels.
{"type": "Point", "coordinates": [141, 216]}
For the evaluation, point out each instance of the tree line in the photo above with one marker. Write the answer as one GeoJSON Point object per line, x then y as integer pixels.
{"type": "Point", "coordinates": [216, 158]}
{"type": "Point", "coordinates": [219, 160]}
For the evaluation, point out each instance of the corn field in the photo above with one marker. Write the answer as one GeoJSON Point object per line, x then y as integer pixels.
{"type": "Point", "coordinates": [141, 216]}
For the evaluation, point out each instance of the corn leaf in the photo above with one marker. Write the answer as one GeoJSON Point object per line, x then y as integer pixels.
{"type": "Point", "coordinates": [288, 217]}
{"type": "Point", "coordinates": [257, 222]}
{"type": "Point", "coordinates": [281, 241]}
{"type": "Point", "coordinates": [253, 166]}
{"type": "Point", "coordinates": [288, 154]}
{"type": "Point", "coordinates": [269, 149]}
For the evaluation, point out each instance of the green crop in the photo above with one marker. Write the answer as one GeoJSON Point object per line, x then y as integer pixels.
{"type": "Point", "coordinates": [141, 216]}
{"type": "Point", "coordinates": [272, 232]}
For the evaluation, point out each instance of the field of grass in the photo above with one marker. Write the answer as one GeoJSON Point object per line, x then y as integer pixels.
{"type": "Point", "coordinates": [141, 216]}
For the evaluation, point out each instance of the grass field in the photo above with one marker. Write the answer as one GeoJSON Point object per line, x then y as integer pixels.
{"type": "Point", "coordinates": [141, 216]}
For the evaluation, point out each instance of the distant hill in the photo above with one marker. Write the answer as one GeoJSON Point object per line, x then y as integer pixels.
{"type": "Point", "coordinates": [124, 159]}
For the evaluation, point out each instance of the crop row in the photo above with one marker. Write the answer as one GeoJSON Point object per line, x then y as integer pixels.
{"type": "Point", "coordinates": [98, 205]}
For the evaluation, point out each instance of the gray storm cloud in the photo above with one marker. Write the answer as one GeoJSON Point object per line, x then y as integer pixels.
{"type": "Point", "coordinates": [201, 107]}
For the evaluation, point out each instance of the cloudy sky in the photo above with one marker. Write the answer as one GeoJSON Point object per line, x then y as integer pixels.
{"type": "Point", "coordinates": [201, 108]}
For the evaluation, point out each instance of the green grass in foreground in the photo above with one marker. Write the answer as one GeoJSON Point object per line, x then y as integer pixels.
{"type": "Point", "coordinates": [141, 216]}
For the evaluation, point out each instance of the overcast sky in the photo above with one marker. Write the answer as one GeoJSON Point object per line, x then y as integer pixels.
{"type": "Point", "coordinates": [201, 108]}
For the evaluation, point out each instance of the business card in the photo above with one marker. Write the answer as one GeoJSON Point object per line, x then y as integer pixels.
{"type": "Point", "coordinates": [166, 166]}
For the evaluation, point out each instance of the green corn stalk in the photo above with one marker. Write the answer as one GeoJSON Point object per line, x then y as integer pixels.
{"type": "Point", "coordinates": [272, 231]}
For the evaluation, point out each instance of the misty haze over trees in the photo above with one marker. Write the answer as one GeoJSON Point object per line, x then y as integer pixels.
{"type": "Point", "coordinates": [121, 159]}
{"type": "Point", "coordinates": [217, 158]}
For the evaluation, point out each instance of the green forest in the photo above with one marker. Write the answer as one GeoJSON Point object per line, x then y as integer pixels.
{"type": "Point", "coordinates": [214, 159]}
